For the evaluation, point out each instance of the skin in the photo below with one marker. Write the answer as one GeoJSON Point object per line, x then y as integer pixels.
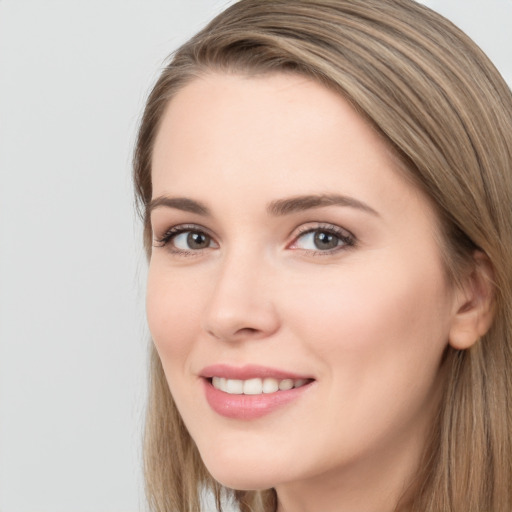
{"type": "Point", "coordinates": [369, 322]}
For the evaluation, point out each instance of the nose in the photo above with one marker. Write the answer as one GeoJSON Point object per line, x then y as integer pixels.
{"type": "Point", "coordinates": [241, 305]}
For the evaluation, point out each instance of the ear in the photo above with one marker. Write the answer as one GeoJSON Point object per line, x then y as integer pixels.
{"type": "Point", "coordinates": [474, 304]}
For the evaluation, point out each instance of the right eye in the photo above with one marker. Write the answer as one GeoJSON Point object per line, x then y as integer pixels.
{"type": "Point", "coordinates": [185, 240]}
{"type": "Point", "coordinates": [191, 240]}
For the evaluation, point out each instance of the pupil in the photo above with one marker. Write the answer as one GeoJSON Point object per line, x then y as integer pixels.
{"type": "Point", "coordinates": [197, 240]}
{"type": "Point", "coordinates": [325, 240]}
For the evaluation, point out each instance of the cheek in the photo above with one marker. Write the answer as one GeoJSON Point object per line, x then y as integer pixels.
{"type": "Point", "coordinates": [377, 343]}
{"type": "Point", "coordinates": [173, 312]}
{"type": "Point", "coordinates": [396, 316]}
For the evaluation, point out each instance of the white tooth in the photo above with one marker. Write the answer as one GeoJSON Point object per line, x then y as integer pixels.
{"type": "Point", "coordinates": [234, 386]}
{"type": "Point", "coordinates": [253, 387]}
{"type": "Point", "coordinates": [219, 383]}
{"type": "Point", "coordinates": [299, 382]}
{"type": "Point", "coordinates": [286, 384]}
{"type": "Point", "coordinates": [270, 385]}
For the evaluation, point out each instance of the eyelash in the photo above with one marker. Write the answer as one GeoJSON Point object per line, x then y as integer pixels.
{"type": "Point", "coordinates": [347, 239]}
{"type": "Point", "coordinates": [173, 232]}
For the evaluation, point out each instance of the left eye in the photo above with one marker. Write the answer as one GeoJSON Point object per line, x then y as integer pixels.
{"type": "Point", "coordinates": [321, 240]}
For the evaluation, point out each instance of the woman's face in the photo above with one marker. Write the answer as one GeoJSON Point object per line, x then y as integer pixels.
{"type": "Point", "coordinates": [290, 251]}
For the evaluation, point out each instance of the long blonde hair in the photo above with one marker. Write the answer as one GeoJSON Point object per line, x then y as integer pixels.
{"type": "Point", "coordinates": [446, 111]}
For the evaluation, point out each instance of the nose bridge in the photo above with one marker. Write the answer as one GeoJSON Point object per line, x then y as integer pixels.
{"type": "Point", "coordinates": [241, 304]}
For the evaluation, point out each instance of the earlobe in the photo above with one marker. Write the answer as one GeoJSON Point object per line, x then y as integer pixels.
{"type": "Point", "coordinates": [474, 304]}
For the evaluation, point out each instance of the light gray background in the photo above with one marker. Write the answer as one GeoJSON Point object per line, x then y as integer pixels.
{"type": "Point", "coordinates": [73, 78]}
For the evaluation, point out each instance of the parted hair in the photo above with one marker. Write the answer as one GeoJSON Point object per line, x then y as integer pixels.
{"type": "Point", "coordinates": [447, 113]}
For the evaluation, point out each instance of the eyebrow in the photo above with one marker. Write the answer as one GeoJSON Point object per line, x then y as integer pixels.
{"type": "Point", "coordinates": [179, 203]}
{"type": "Point", "coordinates": [277, 208]}
{"type": "Point", "coordinates": [307, 202]}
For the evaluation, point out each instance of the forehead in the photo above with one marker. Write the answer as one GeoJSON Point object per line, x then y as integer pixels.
{"type": "Point", "coordinates": [232, 137]}
{"type": "Point", "coordinates": [251, 118]}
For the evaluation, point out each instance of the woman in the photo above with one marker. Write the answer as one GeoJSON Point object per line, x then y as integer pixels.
{"type": "Point", "coordinates": [325, 187]}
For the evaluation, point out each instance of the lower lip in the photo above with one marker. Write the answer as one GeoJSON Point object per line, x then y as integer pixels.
{"type": "Point", "coordinates": [249, 407]}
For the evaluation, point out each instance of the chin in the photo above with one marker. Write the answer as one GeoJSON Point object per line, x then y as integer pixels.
{"type": "Point", "coordinates": [242, 482]}
{"type": "Point", "coordinates": [242, 475]}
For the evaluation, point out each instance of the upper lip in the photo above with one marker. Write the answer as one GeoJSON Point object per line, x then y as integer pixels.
{"type": "Point", "coordinates": [247, 372]}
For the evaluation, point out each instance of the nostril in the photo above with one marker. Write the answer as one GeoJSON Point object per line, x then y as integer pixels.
{"type": "Point", "coordinates": [247, 331]}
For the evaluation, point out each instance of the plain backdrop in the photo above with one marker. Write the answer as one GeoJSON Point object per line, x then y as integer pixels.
{"type": "Point", "coordinates": [73, 341]}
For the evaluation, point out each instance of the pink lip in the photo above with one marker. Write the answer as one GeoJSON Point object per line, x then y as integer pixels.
{"type": "Point", "coordinates": [248, 407]}
{"type": "Point", "coordinates": [247, 372]}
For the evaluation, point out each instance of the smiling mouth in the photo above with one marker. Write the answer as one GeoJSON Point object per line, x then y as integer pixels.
{"type": "Point", "coordinates": [256, 386]}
